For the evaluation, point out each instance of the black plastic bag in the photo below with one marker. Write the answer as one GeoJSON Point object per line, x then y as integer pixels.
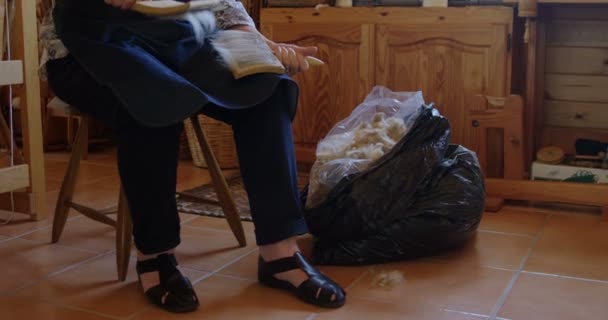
{"type": "Point", "coordinates": [423, 197]}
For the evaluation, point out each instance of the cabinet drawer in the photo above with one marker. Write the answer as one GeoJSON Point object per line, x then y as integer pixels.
{"type": "Point", "coordinates": [575, 33]}
{"type": "Point", "coordinates": [576, 114]}
{"type": "Point", "coordinates": [576, 88]}
{"type": "Point", "coordinates": [589, 61]}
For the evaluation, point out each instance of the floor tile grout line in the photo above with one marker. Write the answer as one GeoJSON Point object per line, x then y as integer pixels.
{"type": "Point", "coordinates": [359, 279]}
{"type": "Point", "coordinates": [507, 291]}
{"type": "Point", "coordinates": [65, 246]}
{"type": "Point", "coordinates": [478, 315]}
{"type": "Point", "coordinates": [231, 276]}
{"type": "Point", "coordinates": [312, 316]}
{"type": "Point", "coordinates": [139, 312]}
{"type": "Point", "coordinates": [38, 229]}
{"type": "Point", "coordinates": [552, 275]}
{"type": "Point", "coordinates": [57, 244]}
{"type": "Point", "coordinates": [225, 265]}
{"type": "Point", "coordinates": [60, 271]}
{"type": "Point", "coordinates": [522, 235]}
{"type": "Point", "coordinates": [485, 266]}
{"type": "Point", "coordinates": [99, 314]}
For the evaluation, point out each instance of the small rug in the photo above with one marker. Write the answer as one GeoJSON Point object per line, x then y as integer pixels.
{"type": "Point", "coordinates": [207, 193]}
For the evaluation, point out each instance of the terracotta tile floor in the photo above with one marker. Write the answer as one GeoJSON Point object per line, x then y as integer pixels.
{"type": "Point", "coordinates": [525, 263]}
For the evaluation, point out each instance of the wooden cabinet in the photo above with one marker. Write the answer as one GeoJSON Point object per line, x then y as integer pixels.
{"type": "Point", "coordinates": [329, 93]}
{"type": "Point", "coordinates": [450, 54]}
{"type": "Point", "coordinates": [574, 100]}
{"type": "Point", "coordinates": [450, 64]}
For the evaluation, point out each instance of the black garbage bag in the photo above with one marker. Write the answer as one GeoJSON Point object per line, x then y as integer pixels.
{"type": "Point", "coordinates": [423, 197]}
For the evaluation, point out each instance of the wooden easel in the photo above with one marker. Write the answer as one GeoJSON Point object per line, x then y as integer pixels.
{"type": "Point", "coordinates": [24, 72]}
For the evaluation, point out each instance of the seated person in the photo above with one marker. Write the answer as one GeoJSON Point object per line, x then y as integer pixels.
{"type": "Point", "coordinates": [142, 76]}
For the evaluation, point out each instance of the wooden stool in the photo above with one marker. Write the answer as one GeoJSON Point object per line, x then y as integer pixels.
{"type": "Point", "coordinates": [123, 219]}
{"type": "Point", "coordinates": [56, 108]}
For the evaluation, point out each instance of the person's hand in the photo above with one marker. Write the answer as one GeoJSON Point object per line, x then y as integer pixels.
{"type": "Point", "coordinates": [123, 4]}
{"type": "Point", "coordinates": [292, 56]}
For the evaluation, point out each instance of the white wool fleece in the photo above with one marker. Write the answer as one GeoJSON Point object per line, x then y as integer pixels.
{"type": "Point", "coordinates": [202, 21]}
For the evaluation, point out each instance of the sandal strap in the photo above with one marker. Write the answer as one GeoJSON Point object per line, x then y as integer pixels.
{"type": "Point", "coordinates": [281, 265]}
{"type": "Point", "coordinates": [154, 264]}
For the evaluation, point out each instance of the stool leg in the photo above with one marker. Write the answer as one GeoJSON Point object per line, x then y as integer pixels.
{"type": "Point", "coordinates": [45, 129]}
{"type": "Point", "coordinates": [85, 154]}
{"type": "Point", "coordinates": [221, 187]}
{"type": "Point", "coordinates": [69, 182]}
{"type": "Point", "coordinates": [123, 237]}
{"type": "Point", "coordinates": [69, 132]}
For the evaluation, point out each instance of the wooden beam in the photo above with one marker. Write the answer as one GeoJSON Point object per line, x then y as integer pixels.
{"type": "Point", "coordinates": [548, 191]}
{"type": "Point", "coordinates": [26, 41]}
{"type": "Point", "coordinates": [14, 178]}
{"type": "Point", "coordinates": [11, 72]}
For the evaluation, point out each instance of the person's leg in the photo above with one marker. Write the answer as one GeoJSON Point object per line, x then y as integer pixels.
{"type": "Point", "coordinates": [265, 148]}
{"type": "Point", "coordinates": [147, 165]}
{"type": "Point", "coordinates": [147, 157]}
{"type": "Point", "coordinates": [264, 141]}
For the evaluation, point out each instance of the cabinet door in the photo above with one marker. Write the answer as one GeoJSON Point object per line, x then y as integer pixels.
{"type": "Point", "coordinates": [449, 63]}
{"type": "Point", "coordinates": [328, 93]}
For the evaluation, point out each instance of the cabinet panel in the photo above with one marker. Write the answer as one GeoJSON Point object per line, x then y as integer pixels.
{"type": "Point", "coordinates": [450, 64]}
{"type": "Point", "coordinates": [451, 54]}
{"type": "Point", "coordinates": [330, 92]}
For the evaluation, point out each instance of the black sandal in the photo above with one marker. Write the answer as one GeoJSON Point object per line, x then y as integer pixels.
{"type": "Point", "coordinates": [175, 292]}
{"type": "Point", "coordinates": [318, 290]}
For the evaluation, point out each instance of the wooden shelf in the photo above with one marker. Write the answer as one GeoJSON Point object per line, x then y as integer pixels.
{"type": "Point", "coordinates": [397, 15]}
{"type": "Point", "coordinates": [563, 1]}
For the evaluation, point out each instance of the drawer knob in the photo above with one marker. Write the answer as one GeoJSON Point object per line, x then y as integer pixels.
{"type": "Point", "coordinates": [514, 141]}
{"type": "Point", "coordinates": [475, 123]}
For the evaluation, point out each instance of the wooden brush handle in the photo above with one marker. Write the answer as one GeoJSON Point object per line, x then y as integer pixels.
{"type": "Point", "coordinates": [314, 61]}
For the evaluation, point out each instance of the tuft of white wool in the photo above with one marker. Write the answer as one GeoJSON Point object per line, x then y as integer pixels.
{"type": "Point", "coordinates": [202, 21]}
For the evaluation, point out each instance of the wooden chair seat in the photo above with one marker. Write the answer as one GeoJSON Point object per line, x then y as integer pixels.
{"type": "Point", "coordinates": [57, 108]}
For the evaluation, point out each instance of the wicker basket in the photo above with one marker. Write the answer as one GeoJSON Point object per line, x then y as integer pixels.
{"type": "Point", "coordinates": [220, 138]}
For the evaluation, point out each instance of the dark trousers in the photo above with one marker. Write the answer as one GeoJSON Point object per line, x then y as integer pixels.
{"type": "Point", "coordinates": [148, 159]}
